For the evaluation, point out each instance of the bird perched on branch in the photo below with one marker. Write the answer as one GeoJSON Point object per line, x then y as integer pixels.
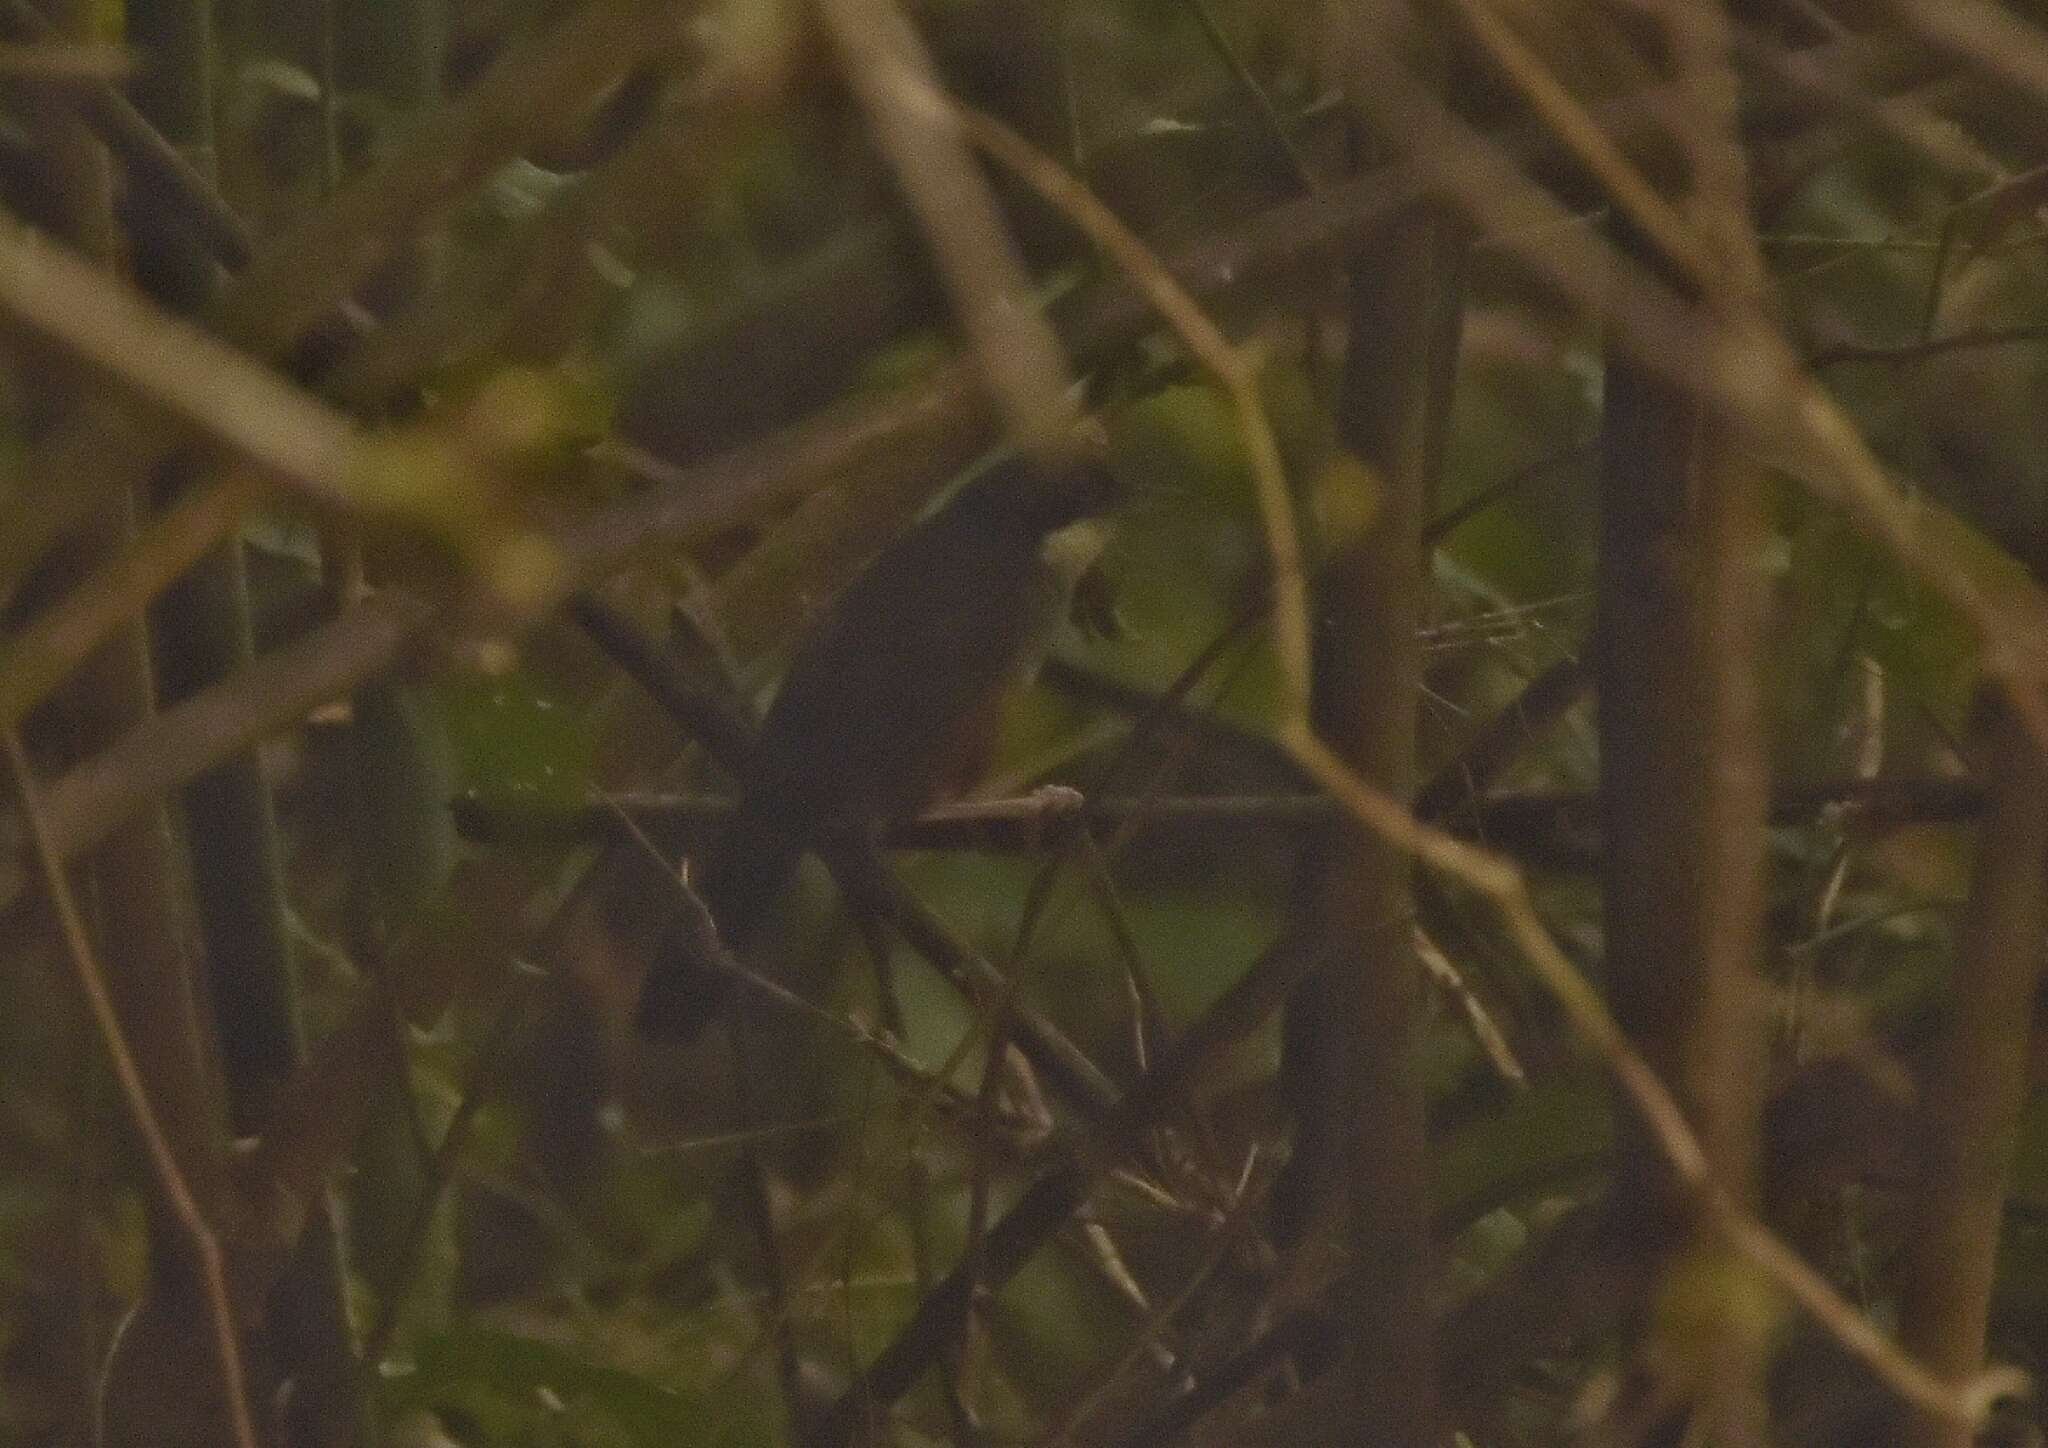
{"type": "Point", "coordinates": [892, 699]}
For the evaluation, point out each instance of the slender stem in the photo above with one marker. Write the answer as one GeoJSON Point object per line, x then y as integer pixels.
{"type": "Point", "coordinates": [135, 1096]}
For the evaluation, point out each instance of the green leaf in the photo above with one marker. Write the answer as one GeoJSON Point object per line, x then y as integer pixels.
{"type": "Point", "coordinates": [516, 1385]}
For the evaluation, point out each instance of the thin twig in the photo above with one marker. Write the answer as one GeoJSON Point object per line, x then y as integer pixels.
{"type": "Point", "coordinates": [1526, 820]}
{"type": "Point", "coordinates": [1050, 1201]}
{"type": "Point", "coordinates": [1489, 874]}
{"type": "Point", "coordinates": [1229, 1235]}
{"type": "Point", "coordinates": [1463, 512]}
{"type": "Point", "coordinates": [135, 1095]}
{"type": "Point", "coordinates": [1505, 886]}
{"type": "Point", "coordinates": [981, 1174]}
{"type": "Point", "coordinates": [440, 1172]}
{"type": "Point", "coordinates": [1462, 784]}
{"type": "Point", "coordinates": [1486, 1033]}
{"type": "Point", "coordinates": [1146, 1017]}
{"type": "Point", "coordinates": [1929, 347]}
{"type": "Point", "coordinates": [1235, 370]}
{"type": "Point", "coordinates": [1269, 114]}
{"type": "Point", "coordinates": [760, 1212]}
{"type": "Point", "coordinates": [44, 654]}
{"type": "Point", "coordinates": [1989, 36]}
{"type": "Point", "coordinates": [1584, 138]}
{"type": "Point", "coordinates": [1903, 119]}
{"type": "Point", "coordinates": [149, 156]}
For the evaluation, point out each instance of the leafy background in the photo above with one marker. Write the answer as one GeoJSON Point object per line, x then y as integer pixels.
{"type": "Point", "coordinates": [689, 254]}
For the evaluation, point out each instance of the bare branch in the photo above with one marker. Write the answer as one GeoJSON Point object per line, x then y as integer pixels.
{"type": "Point", "coordinates": [886, 65]}
{"type": "Point", "coordinates": [234, 1385]}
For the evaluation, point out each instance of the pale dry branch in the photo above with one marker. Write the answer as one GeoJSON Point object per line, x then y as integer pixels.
{"type": "Point", "coordinates": [178, 367]}
{"type": "Point", "coordinates": [290, 434]}
{"type": "Point", "coordinates": [1235, 370]}
{"type": "Point", "coordinates": [940, 413]}
{"type": "Point", "coordinates": [301, 276]}
{"type": "Point", "coordinates": [1486, 1033]}
{"type": "Point", "coordinates": [1987, 35]}
{"type": "Point", "coordinates": [1582, 136]}
{"type": "Point", "coordinates": [886, 65]}
{"type": "Point", "coordinates": [44, 654]}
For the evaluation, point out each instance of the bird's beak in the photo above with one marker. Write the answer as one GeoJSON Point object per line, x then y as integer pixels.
{"type": "Point", "coordinates": [1071, 551]}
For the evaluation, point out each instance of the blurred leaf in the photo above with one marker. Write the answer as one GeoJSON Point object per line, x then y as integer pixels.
{"type": "Point", "coordinates": [517, 1387]}
{"type": "Point", "coordinates": [1540, 1141]}
{"type": "Point", "coordinates": [512, 736]}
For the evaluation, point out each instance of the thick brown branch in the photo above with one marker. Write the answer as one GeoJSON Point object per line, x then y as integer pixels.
{"type": "Point", "coordinates": [1978, 1080]}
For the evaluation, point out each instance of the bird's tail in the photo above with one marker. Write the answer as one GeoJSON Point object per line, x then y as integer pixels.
{"type": "Point", "coordinates": [739, 881]}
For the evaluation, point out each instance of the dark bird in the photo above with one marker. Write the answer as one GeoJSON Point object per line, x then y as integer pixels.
{"type": "Point", "coordinates": [891, 698]}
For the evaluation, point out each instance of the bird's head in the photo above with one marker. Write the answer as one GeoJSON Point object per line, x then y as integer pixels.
{"type": "Point", "coordinates": [1059, 507]}
{"type": "Point", "coordinates": [1039, 496]}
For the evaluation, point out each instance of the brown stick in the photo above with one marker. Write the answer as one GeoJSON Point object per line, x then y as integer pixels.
{"type": "Point", "coordinates": [1977, 1082]}
{"type": "Point", "coordinates": [142, 1112]}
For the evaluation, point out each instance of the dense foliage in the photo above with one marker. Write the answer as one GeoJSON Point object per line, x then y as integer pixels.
{"type": "Point", "coordinates": [431, 427]}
